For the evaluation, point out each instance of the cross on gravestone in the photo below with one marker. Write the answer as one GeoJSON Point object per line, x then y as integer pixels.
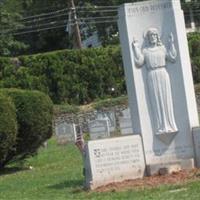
{"type": "Point", "coordinates": [99, 129]}
{"type": "Point", "coordinates": [159, 81]}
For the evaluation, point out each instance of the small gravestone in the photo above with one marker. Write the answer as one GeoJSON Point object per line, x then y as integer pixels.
{"type": "Point", "coordinates": [113, 160]}
{"type": "Point", "coordinates": [99, 129]}
{"type": "Point", "coordinates": [65, 132]}
{"type": "Point", "coordinates": [125, 126]}
{"type": "Point", "coordinates": [126, 113]}
{"type": "Point", "coordinates": [110, 116]}
{"type": "Point", "coordinates": [125, 122]}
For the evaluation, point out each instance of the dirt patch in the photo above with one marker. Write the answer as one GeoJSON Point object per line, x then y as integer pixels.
{"type": "Point", "coordinates": [153, 181]}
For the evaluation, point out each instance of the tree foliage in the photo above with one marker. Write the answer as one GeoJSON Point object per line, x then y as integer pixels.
{"type": "Point", "coordinates": [34, 121]}
{"type": "Point", "coordinates": [9, 20]}
{"type": "Point", "coordinates": [8, 127]}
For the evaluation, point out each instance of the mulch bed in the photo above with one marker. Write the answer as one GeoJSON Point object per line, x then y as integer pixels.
{"type": "Point", "coordinates": [153, 181]}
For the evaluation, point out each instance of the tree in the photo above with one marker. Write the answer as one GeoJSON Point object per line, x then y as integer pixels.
{"type": "Point", "coordinates": [9, 19]}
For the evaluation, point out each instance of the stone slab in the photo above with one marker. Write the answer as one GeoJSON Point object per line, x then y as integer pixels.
{"type": "Point", "coordinates": [125, 126]}
{"type": "Point", "coordinates": [166, 17]}
{"type": "Point", "coordinates": [65, 132]}
{"type": "Point", "coordinates": [196, 137]}
{"type": "Point", "coordinates": [110, 116]}
{"type": "Point", "coordinates": [126, 113]}
{"type": "Point", "coordinates": [99, 129]}
{"type": "Point", "coordinates": [113, 160]}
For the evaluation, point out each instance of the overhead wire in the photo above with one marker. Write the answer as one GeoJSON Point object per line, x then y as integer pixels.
{"type": "Point", "coordinates": [80, 9]}
{"type": "Point", "coordinates": [60, 26]}
{"type": "Point", "coordinates": [44, 14]}
{"type": "Point", "coordinates": [64, 21]}
{"type": "Point", "coordinates": [58, 13]}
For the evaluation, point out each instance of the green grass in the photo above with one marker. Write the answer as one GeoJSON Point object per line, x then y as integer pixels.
{"type": "Point", "coordinates": [57, 175]}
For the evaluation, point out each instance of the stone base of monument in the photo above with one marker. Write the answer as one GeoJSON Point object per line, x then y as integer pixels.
{"type": "Point", "coordinates": [113, 160]}
{"type": "Point", "coordinates": [168, 168]}
{"type": "Point", "coordinates": [196, 139]}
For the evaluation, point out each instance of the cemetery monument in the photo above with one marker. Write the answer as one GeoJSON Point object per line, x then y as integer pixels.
{"type": "Point", "coordinates": [161, 99]}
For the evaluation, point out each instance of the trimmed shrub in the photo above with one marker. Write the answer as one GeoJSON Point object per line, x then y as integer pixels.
{"type": "Point", "coordinates": [8, 127]}
{"type": "Point", "coordinates": [69, 76]}
{"type": "Point", "coordinates": [77, 76]}
{"type": "Point", "coordinates": [34, 118]}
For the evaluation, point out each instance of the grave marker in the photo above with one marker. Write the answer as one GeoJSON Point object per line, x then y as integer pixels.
{"type": "Point", "coordinates": [99, 129]}
{"type": "Point", "coordinates": [159, 81]}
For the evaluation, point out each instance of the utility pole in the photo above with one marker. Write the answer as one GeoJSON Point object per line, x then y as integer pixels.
{"type": "Point", "coordinates": [77, 44]}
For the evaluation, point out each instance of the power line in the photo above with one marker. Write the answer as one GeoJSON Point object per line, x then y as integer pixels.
{"type": "Point", "coordinates": [57, 22]}
{"type": "Point", "coordinates": [60, 26]}
{"type": "Point", "coordinates": [91, 20]}
{"type": "Point", "coordinates": [55, 16]}
{"type": "Point", "coordinates": [42, 19]}
{"type": "Point", "coordinates": [44, 14]}
{"type": "Point", "coordinates": [46, 9]}
{"type": "Point", "coordinates": [96, 11]}
{"type": "Point", "coordinates": [38, 30]}
{"type": "Point", "coordinates": [67, 21]}
{"type": "Point", "coordinates": [39, 19]}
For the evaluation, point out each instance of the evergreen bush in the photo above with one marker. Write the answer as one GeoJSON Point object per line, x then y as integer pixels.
{"type": "Point", "coordinates": [8, 127]}
{"type": "Point", "coordinates": [77, 76]}
{"type": "Point", "coordinates": [34, 118]}
{"type": "Point", "coordinates": [69, 76]}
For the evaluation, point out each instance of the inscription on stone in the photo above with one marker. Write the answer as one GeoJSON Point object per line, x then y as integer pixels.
{"type": "Point", "coordinates": [142, 9]}
{"type": "Point", "coordinates": [115, 159]}
{"type": "Point", "coordinates": [149, 30]}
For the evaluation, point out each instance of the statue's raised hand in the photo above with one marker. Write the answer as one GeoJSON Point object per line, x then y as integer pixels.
{"type": "Point", "coordinates": [171, 38]}
{"type": "Point", "coordinates": [135, 42]}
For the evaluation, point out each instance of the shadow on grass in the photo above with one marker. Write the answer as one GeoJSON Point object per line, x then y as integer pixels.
{"type": "Point", "coordinates": [12, 170]}
{"type": "Point", "coordinates": [68, 184]}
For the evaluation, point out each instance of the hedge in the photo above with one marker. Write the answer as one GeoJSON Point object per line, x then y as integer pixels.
{"type": "Point", "coordinates": [77, 76]}
{"type": "Point", "coordinates": [8, 127]}
{"type": "Point", "coordinates": [69, 76]}
{"type": "Point", "coordinates": [34, 117]}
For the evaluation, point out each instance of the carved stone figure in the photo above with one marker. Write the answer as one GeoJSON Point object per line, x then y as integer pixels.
{"type": "Point", "coordinates": [154, 57]}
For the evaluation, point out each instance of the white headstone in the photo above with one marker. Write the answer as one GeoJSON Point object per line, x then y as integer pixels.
{"type": "Point", "coordinates": [113, 160]}
{"type": "Point", "coordinates": [125, 126]}
{"type": "Point", "coordinates": [99, 129]}
{"type": "Point", "coordinates": [65, 131]}
{"type": "Point", "coordinates": [125, 122]}
{"type": "Point", "coordinates": [159, 79]}
{"type": "Point", "coordinates": [110, 116]}
{"type": "Point", "coordinates": [126, 113]}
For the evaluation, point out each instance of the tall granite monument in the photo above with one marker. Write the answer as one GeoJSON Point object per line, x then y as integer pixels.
{"type": "Point", "coordinates": [161, 99]}
{"type": "Point", "coordinates": [159, 82]}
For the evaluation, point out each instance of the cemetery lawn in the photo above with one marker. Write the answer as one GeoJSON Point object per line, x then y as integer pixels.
{"type": "Point", "coordinates": [56, 174]}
